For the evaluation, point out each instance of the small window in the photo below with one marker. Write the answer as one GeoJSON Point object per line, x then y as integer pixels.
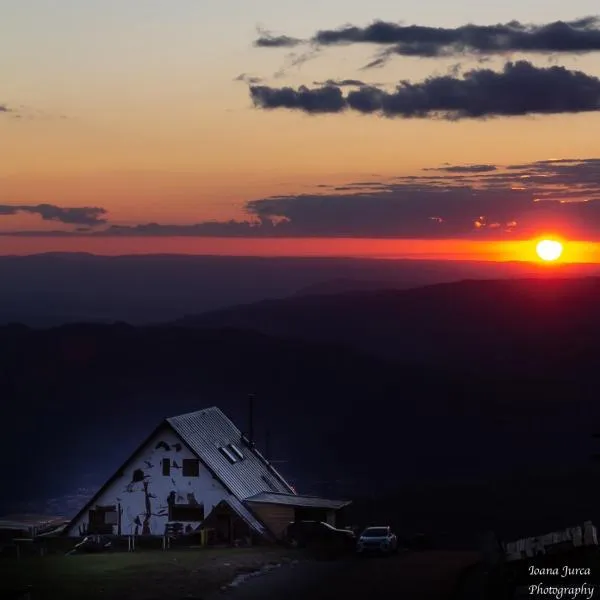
{"type": "Point", "coordinates": [268, 481]}
{"type": "Point", "coordinates": [228, 455]}
{"type": "Point", "coordinates": [166, 466]}
{"type": "Point", "coordinates": [191, 467]}
{"type": "Point", "coordinates": [236, 451]}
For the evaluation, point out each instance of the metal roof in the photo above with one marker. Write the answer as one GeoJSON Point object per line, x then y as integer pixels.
{"type": "Point", "coordinates": [33, 524]}
{"type": "Point", "coordinates": [295, 500]}
{"type": "Point", "coordinates": [207, 430]}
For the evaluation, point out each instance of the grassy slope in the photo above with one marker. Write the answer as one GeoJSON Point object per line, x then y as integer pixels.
{"type": "Point", "coordinates": [140, 574]}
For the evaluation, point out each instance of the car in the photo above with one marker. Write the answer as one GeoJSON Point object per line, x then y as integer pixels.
{"type": "Point", "coordinates": [379, 538]}
{"type": "Point", "coordinates": [318, 533]}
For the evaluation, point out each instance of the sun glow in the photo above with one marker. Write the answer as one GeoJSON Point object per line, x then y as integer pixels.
{"type": "Point", "coordinates": [549, 250]}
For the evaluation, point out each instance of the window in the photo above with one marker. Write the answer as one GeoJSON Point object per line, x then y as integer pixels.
{"type": "Point", "coordinates": [268, 481]}
{"type": "Point", "coordinates": [186, 512]}
{"type": "Point", "coordinates": [166, 466]}
{"type": "Point", "coordinates": [228, 455]}
{"type": "Point", "coordinates": [236, 451]}
{"type": "Point", "coordinates": [191, 467]}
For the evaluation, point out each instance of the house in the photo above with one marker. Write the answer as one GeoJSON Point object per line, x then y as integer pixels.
{"type": "Point", "coordinates": [198, 470]}
{"type": "Point", "coordinates": [29, 526]}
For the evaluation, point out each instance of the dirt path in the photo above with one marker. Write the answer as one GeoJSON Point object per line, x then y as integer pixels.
{"type": "Point", "coordinates": [411, 576]}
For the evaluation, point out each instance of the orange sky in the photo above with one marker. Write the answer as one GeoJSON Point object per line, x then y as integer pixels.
{"type": "Point", "coordinates": [155, 128]}
{"type": "Point", "coordinates": [574, 252]}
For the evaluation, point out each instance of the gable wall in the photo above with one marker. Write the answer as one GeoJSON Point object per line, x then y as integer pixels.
{"type": "Point", "coordinates": [143, 503]}
{"type": "Point", "coordinates": [275, 516]}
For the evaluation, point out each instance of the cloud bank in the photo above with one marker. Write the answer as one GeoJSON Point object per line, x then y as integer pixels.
{"type": "Point", "coordinates": [577, 36]}
{"type": "Point", "coordinates": [476, 201]}
{"type": "Point", "coordinates": [519, 89]}
{"type": "Point", "coordinates": [88, 216]}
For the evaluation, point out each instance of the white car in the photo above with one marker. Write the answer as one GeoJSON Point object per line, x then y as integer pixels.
{"type": "Point", "coordinates": [377, 539]}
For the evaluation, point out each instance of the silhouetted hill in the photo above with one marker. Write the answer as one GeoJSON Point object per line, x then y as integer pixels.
{"type": "Point", "coordinates": [340, 286]}
{"type": "Point", "coordinates": [526, 326]}
{"type": "Point", "coordinates": [47, 290]}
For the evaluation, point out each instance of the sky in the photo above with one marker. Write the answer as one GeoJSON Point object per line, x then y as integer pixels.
{"type": "Point", "coordinates": [328, 127]}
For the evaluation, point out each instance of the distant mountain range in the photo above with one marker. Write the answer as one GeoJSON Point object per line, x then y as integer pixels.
{"type": "Point", "coordinates": [47, 290]}
{"type": "Point", "coordinates": [525, 326]}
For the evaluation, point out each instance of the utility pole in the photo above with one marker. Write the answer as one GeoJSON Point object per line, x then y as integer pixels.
{"type": "Point", "coordinates": [268, 445]}
{"type": "Point", "coordinates": [251, 419]}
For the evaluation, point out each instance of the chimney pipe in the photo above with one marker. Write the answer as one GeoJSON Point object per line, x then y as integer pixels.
{"type": "Point", "coordinates": [268, 445]}
{"type": "Point", "coordinates": [251, 419]}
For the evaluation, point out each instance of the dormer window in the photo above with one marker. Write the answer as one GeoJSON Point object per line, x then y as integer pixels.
{"type": "Point", "coordinates": [228, 454]}
{"type": "Point", "coordinates": [236, 451]}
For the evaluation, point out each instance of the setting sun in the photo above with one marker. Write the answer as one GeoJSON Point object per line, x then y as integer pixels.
{"type": "Point", "coordinates": [549, 250]}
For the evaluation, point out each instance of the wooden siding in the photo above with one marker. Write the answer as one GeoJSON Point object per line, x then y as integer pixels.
{"type": "Point", "coordinates": [275, 516]}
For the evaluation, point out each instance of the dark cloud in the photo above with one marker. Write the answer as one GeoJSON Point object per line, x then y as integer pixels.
{"type": "Point", "coordinates": [578, 36]}
{"type": "Point", "coordinates": [342, 83]}
{"type": "Point", "coordinates": [461, 201]}
{"type": "Point", "coordinates": [464, 168]}
{"type": "Point", "coordinates": [269, 40]}
{"type": "Point", "coordinates": [327, 99]}
{"type": "Point", "coordinates": [519, 89]}
{"type": "Point", "coordinates": [249, 79]}
{"type": "Point", "coordinates": [50, 212]}
{"type": "Point", "coordinates": [4, 108]}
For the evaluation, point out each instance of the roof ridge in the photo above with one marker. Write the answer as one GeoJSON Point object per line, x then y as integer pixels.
{"type": "Point", "coordinates": [195, 412]}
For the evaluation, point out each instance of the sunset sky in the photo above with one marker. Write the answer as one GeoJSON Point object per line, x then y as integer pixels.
{"type": "Point", "coordinates": [178, 126]}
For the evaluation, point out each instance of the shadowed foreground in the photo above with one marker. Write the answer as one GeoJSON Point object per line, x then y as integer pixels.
{"type": "Point", "coordinates": [203, 575]}
{"type": "Point", "coordinates": [141, 575]}
{"type": "Point", "coordinates": [416, 575]}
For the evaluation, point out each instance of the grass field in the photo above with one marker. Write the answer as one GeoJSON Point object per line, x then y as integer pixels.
{"type": "Point", "coordinates": [148, 575]}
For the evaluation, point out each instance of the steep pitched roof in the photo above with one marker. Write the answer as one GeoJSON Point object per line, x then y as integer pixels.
{"type": "Point", "coordinates": [206, 431]}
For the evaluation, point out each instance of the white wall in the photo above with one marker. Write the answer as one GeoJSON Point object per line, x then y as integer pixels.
{"type": "Point", "coordinates": [132, 495]}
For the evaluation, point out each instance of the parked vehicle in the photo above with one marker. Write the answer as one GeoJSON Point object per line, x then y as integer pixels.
{"type": "Point", "coordinates": [317, 533]}
{"type": "Point", "coordinates": [377, 539]}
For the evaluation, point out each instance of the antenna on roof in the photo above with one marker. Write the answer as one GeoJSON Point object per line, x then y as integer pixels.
{"type": "Point", "coordinates": [251, 419]}
{"type": "Point", "coordinates": [268, 445]}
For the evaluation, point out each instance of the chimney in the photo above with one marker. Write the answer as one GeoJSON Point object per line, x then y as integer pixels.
{"type": "Point", "coordinates": [251, 419]}
{"type": "Point", "coordinates": [268, 445]}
